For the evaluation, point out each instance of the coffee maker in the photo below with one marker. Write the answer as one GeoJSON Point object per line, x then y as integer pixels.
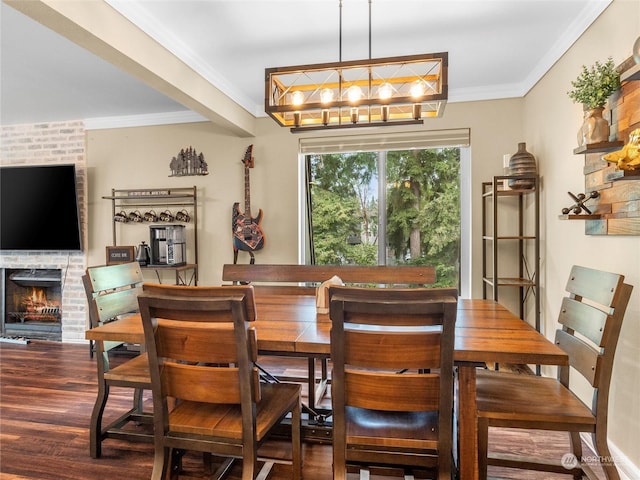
{"type": "Point", "coordinates": [168, 245]}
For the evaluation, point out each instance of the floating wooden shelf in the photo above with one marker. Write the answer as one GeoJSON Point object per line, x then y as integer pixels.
{"type": "Point", "coordinates": [622, 175]}
{"type": "Point", "coordinates": [631, 74]}
{"type": "Point", "coordinates": [598, 147]}
{"type": "Point", "coordinates": [580, 217]}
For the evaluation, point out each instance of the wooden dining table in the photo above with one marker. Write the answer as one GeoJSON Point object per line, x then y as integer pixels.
{"type": "Point", "coordinates": [486, 333]}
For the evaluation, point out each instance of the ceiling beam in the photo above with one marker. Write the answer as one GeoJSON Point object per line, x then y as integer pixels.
{"type": "Point", "coordinates": [100, 29]}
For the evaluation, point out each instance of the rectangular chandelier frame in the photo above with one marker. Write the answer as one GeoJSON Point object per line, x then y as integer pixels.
{"type": "Point", "coordinates": [360, 93]}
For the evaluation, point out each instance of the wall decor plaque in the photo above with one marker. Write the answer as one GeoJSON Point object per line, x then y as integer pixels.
{"type": "Point", "coordinates": [188, 162]}
{"type": "Point", "coordinates": [120, 254]}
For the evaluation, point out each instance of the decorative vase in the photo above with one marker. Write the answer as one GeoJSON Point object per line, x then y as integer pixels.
{"type": "Point", "coordinates": [595, 128]}
{"type": "Point", "coordinates": [522, 163]}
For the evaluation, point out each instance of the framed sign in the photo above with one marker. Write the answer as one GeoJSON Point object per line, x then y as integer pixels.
{"type": "Point", "coordinates": [120, 254]}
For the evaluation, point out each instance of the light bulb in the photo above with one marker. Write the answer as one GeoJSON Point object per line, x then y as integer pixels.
{"type": "Point", "coordinates": [417, 89]}
{"type": "Point", "coordinates": [385, 91]}
{"type": "Point", "coordinates": [297, 98]}
{"type": "Point", "coordinates": [354, 94]}
{"type": "Point", "coordinates": [326, 96]}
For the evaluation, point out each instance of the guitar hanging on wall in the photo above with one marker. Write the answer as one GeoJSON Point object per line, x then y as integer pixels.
{"type": "Point", "coordinates": [247, 232]}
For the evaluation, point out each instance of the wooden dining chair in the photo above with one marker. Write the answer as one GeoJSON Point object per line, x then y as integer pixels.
{"type": "Point", "coordinates": [590, 318]}
{"type": "Point", "coordinates": [112, 292]}
{"type": "Point", "coordinates": [392, 379]}
{"type": "Point", "coordinates": [207, 392]}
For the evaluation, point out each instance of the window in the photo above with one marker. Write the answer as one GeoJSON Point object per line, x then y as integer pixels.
{"type": "Point", "coordinates": [391, 206]}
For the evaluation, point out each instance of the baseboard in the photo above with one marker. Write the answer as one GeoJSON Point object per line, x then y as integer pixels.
{"type": "Point", "coordinates": [626, 468]}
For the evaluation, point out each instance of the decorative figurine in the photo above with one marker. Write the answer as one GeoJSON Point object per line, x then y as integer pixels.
{"type": "Point", "coordinates": [580, 200]}
{"type": "Point", "coordinates": [628, 157]}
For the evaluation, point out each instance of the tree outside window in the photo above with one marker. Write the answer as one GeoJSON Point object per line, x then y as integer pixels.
{"type": "Point", "coordinates": [420, 191]}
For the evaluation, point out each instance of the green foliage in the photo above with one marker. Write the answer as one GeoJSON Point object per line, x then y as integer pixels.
{"type": "Point", "coordinates": [334, 219]}
{"type": "Point", "coordinates": [423, 209]}
{"type": "Point", "coordinates": [595, 84]}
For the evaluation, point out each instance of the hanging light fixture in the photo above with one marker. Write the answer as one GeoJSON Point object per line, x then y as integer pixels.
{"type": "Point", "coordinates": [360, 93]}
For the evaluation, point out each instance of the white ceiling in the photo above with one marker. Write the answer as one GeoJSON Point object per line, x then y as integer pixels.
{"type": "Point", "coordinates": [497, 49]}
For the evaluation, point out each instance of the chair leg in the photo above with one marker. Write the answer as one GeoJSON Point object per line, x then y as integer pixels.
{"type": "Point", "coordinates": [162, 463]}
{"type": "Point", "coordinates": [483, 447]}
{"type": "Point", "coordinates": [249, 461]}
{"type": "Point", "coordinates": [576, 449]}
{"type": "Point", "coordinates": [95, 425]}
{"type": "Point", "coordinates": [296, 442]}
{"type": "Point", "coordinates": [602, 449]}
{"type": "Point", "coordinates": [339, 460]}
{"type": "Point", "coordinates": [138, 398]}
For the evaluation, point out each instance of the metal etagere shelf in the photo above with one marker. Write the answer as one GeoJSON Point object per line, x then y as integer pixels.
{"type": "Point", "coordinates": [498, 229]}
{"type": "Point", "coordinates": [156, 198]}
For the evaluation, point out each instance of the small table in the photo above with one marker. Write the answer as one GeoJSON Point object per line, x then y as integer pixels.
{"type": "Point", "coordinates": [486, 332]}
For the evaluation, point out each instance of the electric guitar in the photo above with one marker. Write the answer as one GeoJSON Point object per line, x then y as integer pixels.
{"type": "Point", "coordinates": [247, 232]}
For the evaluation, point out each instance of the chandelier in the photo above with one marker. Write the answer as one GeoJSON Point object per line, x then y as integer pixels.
{"type": "Point", "coordinates": [360, 93]}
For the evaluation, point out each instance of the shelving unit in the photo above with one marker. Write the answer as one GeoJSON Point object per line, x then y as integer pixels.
{"type": "Point", "coordinates": [497, 201]}
{"type": "Point", "coordinates": [615, 211]}
{"type": "Point", "coordinates": [160, 198]}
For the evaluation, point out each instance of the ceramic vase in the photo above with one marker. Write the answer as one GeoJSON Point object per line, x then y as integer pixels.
{"type": "Point", "coordinates": [595, 128]}
{"type": "Point", "coordinates": [522, 163]}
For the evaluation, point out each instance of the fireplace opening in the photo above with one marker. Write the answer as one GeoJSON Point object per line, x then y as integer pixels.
{"type": "Point", "coordinates": [32, 303]}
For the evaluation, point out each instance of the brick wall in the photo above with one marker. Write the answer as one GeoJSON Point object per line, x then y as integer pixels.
{"type": "Point", "coordinates": [50, 143]}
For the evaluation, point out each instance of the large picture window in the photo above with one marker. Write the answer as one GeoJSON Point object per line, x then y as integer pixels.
{"type": "Point", "coordinates": [388, 208]}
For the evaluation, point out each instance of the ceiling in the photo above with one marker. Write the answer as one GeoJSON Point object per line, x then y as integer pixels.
{"type": "Point", "coordinates": [497, 49]}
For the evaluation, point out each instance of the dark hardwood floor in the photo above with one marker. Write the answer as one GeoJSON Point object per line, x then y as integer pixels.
{"type": "Point", "coordinates": [47, 390]}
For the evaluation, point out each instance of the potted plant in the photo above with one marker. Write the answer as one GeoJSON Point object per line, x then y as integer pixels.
{"type": "Point", "coordinates": [592, 88]}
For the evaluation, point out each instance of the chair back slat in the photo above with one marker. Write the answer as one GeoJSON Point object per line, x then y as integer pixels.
{"type": "Point", "coordinates": [114, 304]}
{"type": "Point", "coordinates": [582, 356]}
{"type": "Point", "coordinates": [403, 392]}
{"type": "Point", "coordinates": [194, 383]}
{"type": "Point", "coordinates": [190, 342]}
{"type": "Point", "coordinates": [392, 349]}
{"type": "Point", "coordinates": [111, 277]}
{"type": "Point", "coordinates": [583, 318]}
{"type": "Point", "coordinates": [205, 291]}
{"type": "Point", "coordinates": [596, 285]}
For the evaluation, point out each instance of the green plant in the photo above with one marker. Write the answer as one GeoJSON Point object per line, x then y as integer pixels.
{"type": "Point", "coordinates": [594, 85]}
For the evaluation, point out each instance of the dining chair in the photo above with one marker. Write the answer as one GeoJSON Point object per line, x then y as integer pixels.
{"type": "Point", "coordinates": [207, 392]}
{"type": "Point", "coordinates": [392, 379]}
{"type": "Point", "coordinates": [112, 292]}
{"type": "Point", "coordinates": [591, 318]}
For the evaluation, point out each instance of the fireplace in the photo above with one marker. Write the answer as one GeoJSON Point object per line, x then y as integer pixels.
{"type": "Point", "coordinates": [32, 303]}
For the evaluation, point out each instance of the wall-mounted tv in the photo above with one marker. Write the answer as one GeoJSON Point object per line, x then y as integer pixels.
{"type": "Point", "coordinates": [39, 208]}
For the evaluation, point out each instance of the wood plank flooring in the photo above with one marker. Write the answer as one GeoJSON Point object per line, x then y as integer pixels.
{"type": "Point", "coordinates": [47, 390]}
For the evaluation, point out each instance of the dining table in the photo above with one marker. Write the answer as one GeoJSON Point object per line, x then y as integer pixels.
{"type": "Point", "coordinates": [486, 333]}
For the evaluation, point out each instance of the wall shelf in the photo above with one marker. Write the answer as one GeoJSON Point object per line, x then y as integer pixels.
{"type": "Point", "coordinates": [579, 217]}
{"type": "Point", "coordinates": [598, 147]}
{"type": "Point", "coordinates": [632, 73]}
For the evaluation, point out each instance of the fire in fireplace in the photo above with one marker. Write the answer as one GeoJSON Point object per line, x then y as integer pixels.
{"type": "Point", "coordinates": [32, 303]}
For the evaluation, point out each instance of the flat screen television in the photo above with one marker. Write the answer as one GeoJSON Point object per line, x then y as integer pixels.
{"type": "Point", "coordinates": [39, 208]}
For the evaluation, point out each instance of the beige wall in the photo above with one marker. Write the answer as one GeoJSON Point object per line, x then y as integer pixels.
{"type": "Point", "coordinates": [546, 119]}
{"type": "Point", "coordinates": [139, 158]}
{"type": "Point", "coordinates": [551, 122]}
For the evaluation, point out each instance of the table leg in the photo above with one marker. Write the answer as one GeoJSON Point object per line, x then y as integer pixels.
{"type": "Point", "coordinates": [467, 426]}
